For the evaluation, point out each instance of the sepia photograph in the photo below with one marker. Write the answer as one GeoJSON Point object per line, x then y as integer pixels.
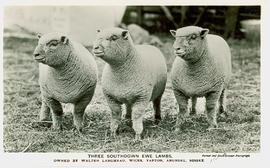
{"type": "Point", "coordinates": [130, 79]}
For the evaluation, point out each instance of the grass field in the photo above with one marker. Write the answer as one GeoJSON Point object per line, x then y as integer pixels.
{"type": "Point", "coordinates": [239, 132]}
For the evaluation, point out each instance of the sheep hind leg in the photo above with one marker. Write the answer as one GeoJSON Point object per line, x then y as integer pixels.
{"type": "Point", "coordinates": [78, 112]}
{"type": "Point", "coordinates": [193, 105]}
{"type": "Point", "coordinates": [182, 101]}
{"type": "Point", "coordinates": [211, 108]}
{"type": "Point", "coordinates": [128, 115]}
{"type": "Point", "coordinates": [129, 111]}
{"type": "Point", "coordinates": [137, 119]}
{"type": "Point", "coordinates": [223, 103]}
{"type": "Point", "coordinates": [156, 105]}
{"type": "Point", "coordinates": [57, 113]}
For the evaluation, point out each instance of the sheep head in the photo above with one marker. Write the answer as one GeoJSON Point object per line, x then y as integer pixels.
{"type": "Point", "coordinates": [189, 42]}
{"type": "Point", "coordinates": [113, 45]}
{"type": "Point", "coordinates": [53, 49]}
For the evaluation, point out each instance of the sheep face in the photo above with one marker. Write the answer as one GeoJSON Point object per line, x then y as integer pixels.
{"type": "Point", "coordinates": [112, 45]}
{"type": "Point", "coordinates": [53, 49]}
{"type": "Point", "coordinates": [189, 42]}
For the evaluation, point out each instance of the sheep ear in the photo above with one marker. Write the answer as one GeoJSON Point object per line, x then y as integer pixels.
{"type": "Point", "coordinates": [64, 39]}
{"type": "Point", "coordinates": [39, 35]}
{"type": "Point", "coordinates": [204, 32]}
{"type": "Point", "coordinates": [125, 34]}
{"type": "Point", "coordinates": [173, 32]}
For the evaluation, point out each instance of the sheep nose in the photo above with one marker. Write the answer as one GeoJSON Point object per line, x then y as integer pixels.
{"type": "Point", "coordinates": [36, 54]}
{"type": "Point", "coordinates": [179, 49]}
{"type": "Point", "coordinates": [96, 47]}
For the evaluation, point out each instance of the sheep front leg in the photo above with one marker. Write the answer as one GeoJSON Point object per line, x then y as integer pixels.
{"type": "Point", "coordinates": [78, 112]}
{"type": "Point", "coordinates": [116, 112]}
{"type": "Point", "coordinates": [57, 113]}
{"type": "Point", "coordinates": [182, 101]}
{"type": "Point", "coordinates": [211, 108]}
{"type": "Point", "coordinates": [44, 114]}
{"type": "Point", "coordinates": [137, 118]}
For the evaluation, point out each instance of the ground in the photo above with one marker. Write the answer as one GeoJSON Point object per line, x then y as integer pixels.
{"type": "Point", "coordinates": [239, 132]}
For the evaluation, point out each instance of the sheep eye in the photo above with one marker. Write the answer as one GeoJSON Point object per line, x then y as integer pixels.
{"type": "Point", "coordinates": [53, 43]}
{"type": "Point", "coordinates": [113, 37]}
{"type": "Point", "coordinates": [193, 36]}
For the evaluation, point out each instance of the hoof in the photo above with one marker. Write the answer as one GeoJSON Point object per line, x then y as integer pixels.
{"type": "Point", "coordinates": [113, 134]}
{"type": "Point", "coordinates": [57, 128]}
{"type": "Point", "coordinates": [43, 124]}
{"type": "Point", "coordinates": [177, 130]}
{"type": "Point", "coordinates": [192, 113]}
{"type": "Point", "coordinates": [138, 138]}
{"type": "Point", "coordinates": [78, 125]}
{"type": "Point", "coordinates": [45, 119]}
{"type": "Point", "coordinates": [127, 122]}
{"type": "Point", "coordinates": [128, 117]}
{"type": "Point", "coordinates": [79, 129]}
{"type": "Point", "coordinates": [212, 127]}
{"type": "Point", "coordinates": [223, 115]}
{"type": "Point", "coordinates": [157, 121]}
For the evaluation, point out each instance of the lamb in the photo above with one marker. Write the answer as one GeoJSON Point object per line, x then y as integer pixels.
{"type": "Point", "coordinates": [133, 75]}
{"type": "Point", "coordinates": [142, 36]}
{"type": "Point", "coordinates": [202, 68]}
{"type": "Point", "coordinates": [68, 74]}
{"type": "Point", "coordinates": [138, 34]}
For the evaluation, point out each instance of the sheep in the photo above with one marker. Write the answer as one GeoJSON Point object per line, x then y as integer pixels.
{"type": "Point", "coordinates": [155, 41]}
{"type": "Point", "coordinates": [138, 34]}
{"type": "Point", "coordinates": [67, 74]}
{"type": "Point", "coordinates": [202, 68]}
{"type": "Point", "coordinates": [142, 36]}
{"type": "Point", "coordinates": [133, 75]}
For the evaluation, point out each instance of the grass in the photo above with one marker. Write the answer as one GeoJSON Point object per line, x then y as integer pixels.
{"type": "Point", "coordinates": [239, 132]}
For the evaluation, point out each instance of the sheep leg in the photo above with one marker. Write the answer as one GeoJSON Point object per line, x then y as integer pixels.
{"type": "Point", "coordinates": [156, 105]}
{"type": "Point", "coordinates": [116, 111]}
{"type": "Point", "coordinates": [78, 112]}
{"type": "Point", "coordinates": [44, 114]}
{"type": "Point", "coordinates": [57, 113]}
{"type": "Point", "coordinates": [211, 108]}
{"type": "Point", "coordinates": [137, 118]}
{"type": "Point", "coordinates": [223, 103]}
{"type": "Point", "coordinates": [193, 105]}
{"type": "Point", "coordinates": [182, 101]}
{"type": "Point", "coordinates": [129, 111]}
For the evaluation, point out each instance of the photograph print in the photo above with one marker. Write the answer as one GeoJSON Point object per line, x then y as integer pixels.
{"type": "Point", "coordinates": [121, 79]}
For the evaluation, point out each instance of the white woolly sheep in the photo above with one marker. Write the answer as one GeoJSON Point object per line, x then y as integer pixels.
{"type": "Point", "coordinates": [68, 74]}
{"type": "Point", "coordinates": [133, 75]}
{"type": "Point", "coordinates": [202, 68]}
{"type": "Point", "coordinates": [142, 36]}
